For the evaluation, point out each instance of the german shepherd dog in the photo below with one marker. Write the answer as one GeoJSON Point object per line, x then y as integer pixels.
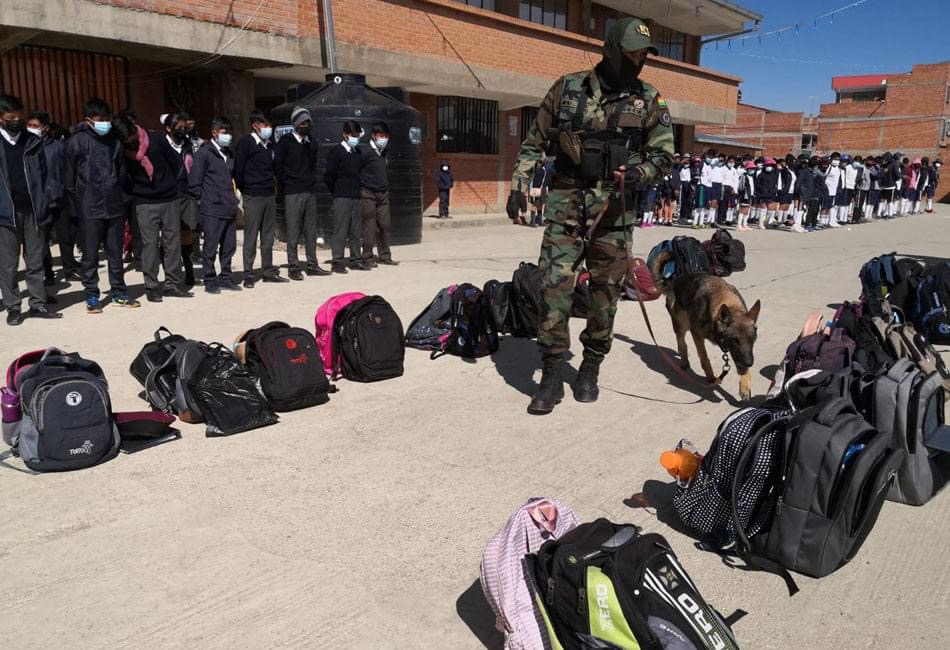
{"type": "Point", "coordinates": [710, 309]}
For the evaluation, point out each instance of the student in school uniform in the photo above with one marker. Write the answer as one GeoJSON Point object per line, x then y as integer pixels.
{"type": "Point", "coordinates": [342, 178]}
{"type": "Point", "coordinates": [177, 144]}
{"type": "Point", "coordinates": [932, 180]}
{"type": "Point", "coordinates": [295, 164]}
{"type": "Point", "coordinates": [54, 150]}
{"type": "Point", "coordinates": [210, 183]}
{"type": "Point", "coordinates": [444, 184]}
{"type": "Point", "coordinates": [24, 213]}
{"type": "Point", "coordinates": [374, 197]}
{"type": "Point", "coordinates": [254, 176]}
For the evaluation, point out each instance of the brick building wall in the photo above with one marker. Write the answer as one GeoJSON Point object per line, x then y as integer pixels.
{"type": "Point", "coordinates": [775, 133]}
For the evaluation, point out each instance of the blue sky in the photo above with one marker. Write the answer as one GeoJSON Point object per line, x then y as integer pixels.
{"type": "Point", "coordinates": [784, 73]}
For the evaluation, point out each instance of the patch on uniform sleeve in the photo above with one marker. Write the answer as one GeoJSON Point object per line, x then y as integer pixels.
{"type": "Point", "coordinates": [660, 101]}
{"type": "Point", "coordinates": [665, 118]}
{"type": "Point", "coordinates": [638, 104]}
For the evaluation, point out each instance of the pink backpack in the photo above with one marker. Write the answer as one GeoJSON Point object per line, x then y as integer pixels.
{"type": "Point", "coordinates": [502, 570]}
{"type": "Point", "coordinates": [323, 324]}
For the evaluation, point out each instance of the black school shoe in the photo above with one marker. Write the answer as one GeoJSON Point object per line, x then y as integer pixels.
{"type": "Point", "coordinates": [295, 274]}
{"type": "Point", "coordinates": [212, 288]}
{"type": "Point", "coordinates": [231, 285]}
{"type": "Point", "coordinates": [360, 266]}
{"type": "Point", "coordinates": [42, 312]}
{"type": "Point", "coordinates": [177, 292]}
{"type": "Point", "coordinates": [389, 262]}
{"type": "Point", "coordinates": [14, 317]}
{"type": "Point", "coordinates": [275, 279]}
{"type": "Point", "coordinates": [153, 296]}
{"type": "Point", "coordinates": [316, 269]}
{"type": "Point", "coordinates": [338, 268]}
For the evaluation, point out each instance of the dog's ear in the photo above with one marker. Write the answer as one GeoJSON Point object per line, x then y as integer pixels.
{"type": "Point", "coordinates": [724, 316]}
{"type": "Point", "coordinates": [753, 313]}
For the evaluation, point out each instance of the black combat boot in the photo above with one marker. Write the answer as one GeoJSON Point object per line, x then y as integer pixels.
{"type": "Point", "coordinates": [585, 387]}
{"type": "Point", "coordinates": [551, 391]}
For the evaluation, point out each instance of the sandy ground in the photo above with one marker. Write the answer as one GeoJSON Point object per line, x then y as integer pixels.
{"type": "Point", "coordinates": [360, 524]}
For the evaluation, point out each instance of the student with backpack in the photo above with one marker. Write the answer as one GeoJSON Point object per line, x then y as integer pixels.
{"type": "Point", "coordinates": [254, 176]}
{"type": "Point", "coordinates": [295, 162]}
{"type": "Point", "coordinates": [374, 197]}
{"type": "Point", "coordinates": [210, 184]}
{"type": "Point", "coordinates": [342, 177]}
{"type": "Point", "coordinates": [94, 179]}
{"type": "Point", "coordinates": [23, 212]}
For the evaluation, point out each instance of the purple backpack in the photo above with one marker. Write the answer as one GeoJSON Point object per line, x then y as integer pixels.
{"type": "Point", "coordinates": [819, 351]}
{"type": "Point", "coordinates": [502, 571]}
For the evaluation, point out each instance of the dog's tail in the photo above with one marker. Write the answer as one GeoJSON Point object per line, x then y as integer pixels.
{"type": "Point", "coordinates": [656, 265]}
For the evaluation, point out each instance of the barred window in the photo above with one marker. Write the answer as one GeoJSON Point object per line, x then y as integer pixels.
{"type": "Point", "coordinates": [670, 43]}
{"type": "Point", "coordinates": [481, 4]}
{"type": "Point", "coordinates": [552, 13]}
{"type": "Point", "coordinates": [467, 125]}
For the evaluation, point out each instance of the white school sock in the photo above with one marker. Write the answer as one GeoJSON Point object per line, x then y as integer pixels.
{"type": "Point", "coordinates": [730, 213]}
{"type": "Point", "coordinates": [695, 216]}
{"type": "Point", "coordinates": [711, 215]}
{"type": "Point", "coordinates": [916, 207]}
{"type": "Point", "coordinates": [930, 204]}
{"type": "Point", "coordinates": [799, 216]}
{"type": "Point", "coordinates": [891, 208]}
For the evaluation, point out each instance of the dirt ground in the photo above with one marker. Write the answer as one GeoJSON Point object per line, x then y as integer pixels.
{"type": "Point", "coordinates": [360, 523]}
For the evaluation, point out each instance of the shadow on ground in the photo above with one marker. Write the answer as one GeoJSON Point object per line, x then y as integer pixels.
{"type": "Point", "coordinates": [474, 611]}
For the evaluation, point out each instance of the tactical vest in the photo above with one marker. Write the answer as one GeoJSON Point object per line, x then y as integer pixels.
{"type": "Point", "coordinates": [590, 150]}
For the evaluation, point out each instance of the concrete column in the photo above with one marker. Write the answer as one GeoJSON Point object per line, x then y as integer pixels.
{"type": "Point", "coordinates": [236, 98]}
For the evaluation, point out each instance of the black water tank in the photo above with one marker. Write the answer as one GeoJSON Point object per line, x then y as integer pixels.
{"type": "Point", "coordinates": [347, 97]}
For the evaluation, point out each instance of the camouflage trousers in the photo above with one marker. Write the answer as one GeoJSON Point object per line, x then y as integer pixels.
{"type": "Point", "coordinates": [606, 260]}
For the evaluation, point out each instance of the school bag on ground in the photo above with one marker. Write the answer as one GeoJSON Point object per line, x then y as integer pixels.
{"type": "Point", "coordinates": [705, 504]}
{"type": "Point", "coordinates": [66, 414]}
{"type": "Point", "coordinates": [288, 363]}
{"type": "Point", "coordinates": [368, 341]}
{"type": "Point", "coordinates": [604, 585]}
{"type": "Point", "coordinates": [471, 328]}
{"type": "Point", "coordinates": [726, 254]}
{"type": "Point", "coordinates": [323, 325]}
{"type": "Point", "coordinates": [526, 300]}
{"type": "Point", "coordinates": [167, 387]}
{"type": "Point", "coordinates": [903, 341]}
{"type": "Point", "coordinates": [502, 576]}
{"type": "Point", "coordinates": [880, 276]}
{"type": "Point", "coordinates": [836, 471]}
{"type": "Point", "coordinates": [432, 327]}
{"type": "Point", "coordinates": [909, 407]}
{"type": "Point", "coordinates": [226, 393]}
{"type": "Point", "coordinates": [931, 301]}
{"type": "Point", "coordinates": [498, 296]}
{"type": "Point", "coordinates": [155, 353]}
{"type": "Point", "coordinates": [870, 349]}
{"type": "Point", "coordinates": [819, 351]}
{"type": "Point", "coordinates": [639, 284]}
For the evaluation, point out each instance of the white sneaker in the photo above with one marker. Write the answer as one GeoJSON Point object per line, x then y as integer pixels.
{"type": "Point", "coordinates": [761, 224]}
{"type": "Point", "coordinates": [797, 229]}
{"type": "Point", "coordinates": [834, 224]}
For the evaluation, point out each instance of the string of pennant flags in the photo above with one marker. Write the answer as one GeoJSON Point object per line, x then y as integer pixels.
{"type": "Point", "coordinates": [793, 29]}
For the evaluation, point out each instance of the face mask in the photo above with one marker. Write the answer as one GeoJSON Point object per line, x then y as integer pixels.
{"type": "Point", "coordinates": [102, 128]}
{"type": "Point", "coordinates": [769, 168]}
{"type": "Point", "coordinates": [37, 132]}
{"type": "Point", "coordinates": [382, 142]}
{"type": "Point", "coordinates": [223, 139]}
{"type": "Point", "coordinates": [192, 132]}
{"type": "Point", "coordinates": [266, 132]}
{"type": "Point", "coordinates": [445, 169]}
{"type": "Point", "coordinates": [730, 165]}
{"type": "Point", "coordinates": [303, 130]}
{"type": "Point", "coordinates": [937, 165]}
{"type": "Point", "coordinates": [750, 172]}
{"type": "Point", "coordinates": [13, 127]}
{"type": "Point", "coordinates": [352, 140]}
{"type": "Point", "coordinates": [179, 134]}
{"type": "Point", "coordinates": [823, 169]}
{"type": "Point", "coordinates": [858, 165]}
{"type": "Point", "coordinates": [835, 163]}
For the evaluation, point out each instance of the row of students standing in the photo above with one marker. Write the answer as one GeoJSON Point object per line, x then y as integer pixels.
{"type": "Point", "coordinates": [169, 185]}
{"type": "Point", "coordinates": [801, 193]}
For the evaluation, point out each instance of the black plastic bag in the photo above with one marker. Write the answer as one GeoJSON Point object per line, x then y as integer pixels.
{"type": "Point", "coordinates": [230, 395]}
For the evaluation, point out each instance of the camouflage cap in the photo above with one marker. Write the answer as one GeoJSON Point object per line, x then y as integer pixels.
{"type": "Point", "coordinates": [631, 34]}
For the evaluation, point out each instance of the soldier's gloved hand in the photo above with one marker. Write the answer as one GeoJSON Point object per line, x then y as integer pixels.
{"type": "Point", "coordinates": [515, 201]}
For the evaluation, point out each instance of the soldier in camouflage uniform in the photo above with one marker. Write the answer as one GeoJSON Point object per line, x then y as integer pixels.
{"type": "Point", "coordinates": [599, 124]}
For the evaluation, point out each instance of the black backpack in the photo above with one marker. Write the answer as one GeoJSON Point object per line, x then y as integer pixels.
{"type": "Point", "coordinates": [368, 337]}
{"type": "Point", "coordinates": [472, 328]}
{"type": "Point", "coordinates": [526, 300]}
{"type": "Point", "coordinates": [882, 275]}
{"type": "Point", "coordinates": [67, 414]}
{"type": "Point", "coordinates": [870, 351]}
{"type": "Point", "coordinates": [836, 471]}
{"type": "Point", "coordinates": [604, 585]}
{"type": "Point", "coordinates": [689, 256]}
{"type": "Point", "coordinates": [498, 296]}
{"type": "Point", "coordinates": [288, 363]}
{"type": "Point", "coordinates": [726, 255]}
{"type": "Point", "coordinates": [155, 353]}
{"type": "Point", "coordinates": [167, 386]}
{"type": "Point", "coordinates": [431, 328]}
{"type": "Point", "coordinates": [931, 304]}
{"type": "Point", "coordinates": [225, 392]}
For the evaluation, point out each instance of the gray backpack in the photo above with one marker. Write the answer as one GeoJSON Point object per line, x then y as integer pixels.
{"type": "Point", "coordinates": [909, 407]}
{"type": "Point", "coordinates": [67, 414]}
